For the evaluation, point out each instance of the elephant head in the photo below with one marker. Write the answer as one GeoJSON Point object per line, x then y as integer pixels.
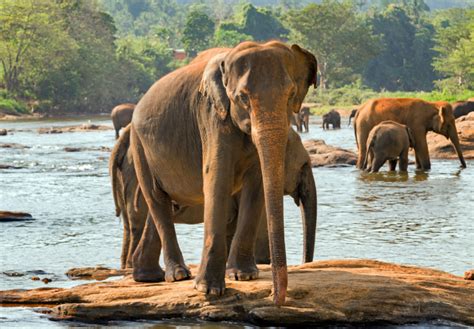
{"type": "Point", "coordinates": [259, 86]}
{"type": "Point", "coordinates": [444, 123]}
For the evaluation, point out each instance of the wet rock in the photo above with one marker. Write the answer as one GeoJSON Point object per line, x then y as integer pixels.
{"type": "Point", "coordinates": [3, 132]}
{"type": "Point", "coordinates": [322, 154]}
{"type": "Point", "coordinates": [343, 292]}
{"type": "Point", "coordinates": [469, 275]}
{"type": "Point", "coordinates": [35, 278]}
{"type": "Point", "coordinates": [8, 166]}
{"type": "Point", "coordinates": [95, 273]}
{"type": "Point", "coordinates": [13, 146]}
{"type": "Point", "coordinates": [46, 280]}
{"type": "Point", "coordinates": [11, 216]}
{"type": "Point", "coordinates": [440, 147]}
{"type": "Point", "coordinates": [13, 274]}
{"type": "Point", "coordinates": [78, 128]}
{"type": "Point", "coordinates": [82, 149]}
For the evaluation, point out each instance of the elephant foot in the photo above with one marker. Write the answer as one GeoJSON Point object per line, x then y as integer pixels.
{"type": "Point", "coordinates": [210, 287]}
{"type": "Point", "coordinates": [148, 275]}
{"type": "Point", "coordinates": [250, 273]}
{"type": "Point", "coordinates": [177, 273]}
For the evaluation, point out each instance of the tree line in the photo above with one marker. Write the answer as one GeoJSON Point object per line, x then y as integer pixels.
{"type": "Point", "coordinates": [88, 55]}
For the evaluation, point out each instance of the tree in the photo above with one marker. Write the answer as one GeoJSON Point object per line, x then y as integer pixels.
{"type": "Point", "coordinates": [337, 35]}
{"type": "Point", "coordinates": [198, 31]}
{"type": "Point", "coordinates": [229, 38]}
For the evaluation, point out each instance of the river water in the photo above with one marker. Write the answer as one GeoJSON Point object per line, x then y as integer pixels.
{"type": "Point", "coordinates": [423, 219]}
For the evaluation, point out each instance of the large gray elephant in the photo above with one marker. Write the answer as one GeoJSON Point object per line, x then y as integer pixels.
{"type": "Point", "coordinates": [129, 202]}
{"type": "Point", "coordinates": [388, 141]}
{"type": "Point", "coordinates": [332, 117]}
{"type": "Point", "coordinates": [462, 108]}
{"type": "Point", "coordinates": [208, 130]}
{"type": "Point", "coordinates": [122, 116]}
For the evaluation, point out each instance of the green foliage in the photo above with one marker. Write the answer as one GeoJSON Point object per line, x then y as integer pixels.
{"type": "Point", "coordinates": [229, 38]}
{"type": "Point", "coordinates": [198, 32]}
{"type": "Point", "coordinates": [12, 106]}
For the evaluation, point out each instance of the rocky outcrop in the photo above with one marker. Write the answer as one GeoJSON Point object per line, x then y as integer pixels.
{"type": "Point", "coordinates": [82, 149]}
{"type": "Point", "coordinates": [440, 147]}
{"type": "Point", "coordinates": [322, 154]}
{"type": "Point", "coordinates": [351, 292]}
{"type": "Point", "coordinates": [95, 273]}
{"type": "Point", "coordinates": [79, 128]}
{"type": "Point", "coordinates": [12, 216]}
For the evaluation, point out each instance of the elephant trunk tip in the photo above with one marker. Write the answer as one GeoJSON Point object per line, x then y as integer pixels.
{"type": "Point", "coordinates": [280, 287]}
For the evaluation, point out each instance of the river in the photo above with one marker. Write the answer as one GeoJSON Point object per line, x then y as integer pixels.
{"type": "Point", "coordinates": [423, 219]}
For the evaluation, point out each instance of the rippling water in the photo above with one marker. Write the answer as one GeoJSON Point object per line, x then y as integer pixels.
{"type": "Point", "coordinates": [422, 219]}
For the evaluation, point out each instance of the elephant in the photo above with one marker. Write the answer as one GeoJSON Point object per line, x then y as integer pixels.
{"type": "Point", "coordinates": [388, 141]}
{"type": "Point", "coordinates": [418, 115]}
{"type": "Point", "coordinates": [301, 119]}
{"type": "Point", "coordinates": [208, 130]}
{"type": "Point", "coordinates": [353, 113]}
{"type": "Point", "coordinates": [121, 116]}
{"type": "Point", "coordinates": [462, 108]}
{"type": "Point", "coordinates": [129, 202]}
{"type": "Point", "coordinates": [332, 117]}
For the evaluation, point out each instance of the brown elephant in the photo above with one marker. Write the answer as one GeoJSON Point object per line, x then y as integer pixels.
{"type": "Point", "coordinates": [301, 119]}
{"type": "Point", "coordinates": [462, 108]}
{"type": "Point", "coordinates": [129, 203]}
{"type": "Point", "coordinates": [353, 113]}
{"type": "Point", "coordinates": [207, 131]}
{"type": "Point", "coordinates": [332, 117]}
{"type": "Point", "coordinates": [122, 116]}
{"type": "Point", "coordinates": [388, 141]}
{"type": "Point", "coordinates": [418, 115]}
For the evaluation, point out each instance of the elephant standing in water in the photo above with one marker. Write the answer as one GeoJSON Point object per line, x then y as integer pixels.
{"type": "Point", "coordinates": [301, 119]}
{"type": "Point", "coordinates": [122, 116]}
{"type": "Point", "coordinates": [416, 114]}
{"type": "Point", "coordinates": [207, 131]}
{"type": "Point", "coordinates": [388, 141]}
{"type": "Point", "coordinates": [129, 203]}
{"type": "Point", "coordinates": [332, 117]}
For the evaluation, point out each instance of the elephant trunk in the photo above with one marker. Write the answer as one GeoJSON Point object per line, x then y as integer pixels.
{"type": "Point", "coordinates": [308, 206]}
{"type": "Point", "coordinates": [453, 136]}
{"type": "Point", "coordinates": [271, 147]}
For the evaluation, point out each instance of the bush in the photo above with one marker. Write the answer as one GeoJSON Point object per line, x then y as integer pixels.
{"type": "Point", "coordinates": [12, 107]}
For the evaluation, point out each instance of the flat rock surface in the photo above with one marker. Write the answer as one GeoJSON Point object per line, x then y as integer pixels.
{"type": "Point", "coordinates": [11, 216]}
{"type": "Point", "coordinates": [324, 292]}
{"type": "Point", "coordinates": [95, 273]}
{"type": "Point", "coordinates": [322, 154]}
{"type": "Point", "coordinates": [78, 128]}
{"type": "Point", "coordinates": [440, 147]}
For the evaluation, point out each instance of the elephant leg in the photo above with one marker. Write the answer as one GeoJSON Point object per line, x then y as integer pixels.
{"type": "Point", "coordinates": [422, 154]}
{"type": "Point", "coordinates": [306, 124]}
{"type": "Point", "coordinates": [377, 163]}
{"type": "Point", "coordinates": [393, 164]}
{"type": "Point", "coordinates": [362, 146]}
{"type": "Point", "coordinates": [137, 225]}
{"type": "Point", "coordinates": [403, 165]}
{"type": "Point", "coordinates": [241, 264]}
{"type": "Point", "coordinates": [146, 258]}
{"type": "Point", "coordinates": [117, 133]}
{"type": "Point", "coordinates": [217, 187]}
{"type": "Point", "coordinates": [125, 256]}
{"type": "Point", "coordinates": [262, 250]}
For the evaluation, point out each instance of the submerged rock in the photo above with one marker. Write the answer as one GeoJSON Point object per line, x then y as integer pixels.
{"type": "Point", "coordinates": [11, 216]}
{"type": "Point", "coordinates": [78, 128]}
{"type": "Point", "coordinates": [322, 154]}
{"type": "Point", "coordinates": [3, 132]}
{"type": "Point", "coordinates": [82, 149]}
{"type": "Point", "coordinates": [13, 146]}
{"type": "Point", "coordinates": [440, 147]}
{"type": "Point", "coordinates": [95, 273]}
{"type": "Point", "coordinates": [342, 292]}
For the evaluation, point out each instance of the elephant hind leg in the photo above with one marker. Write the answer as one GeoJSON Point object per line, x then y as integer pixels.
{"type": "Point", "coordinates": [377, 163]}
{"type": "Point", "coordinates": [403, 166]}
{"type": "Point", "coordinates": [362, 148]}
{"type": "Point", "coordinates": [393, 164]}
{"type": "Point", "coordinates": [125, 256]}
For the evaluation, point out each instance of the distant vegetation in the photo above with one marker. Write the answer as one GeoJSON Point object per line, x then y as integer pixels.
{"type": "Point", "coordinates": [85, 56]}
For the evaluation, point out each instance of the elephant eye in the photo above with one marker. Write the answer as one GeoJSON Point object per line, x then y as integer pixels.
{"type": "Point", "coordinates": [244, 100]}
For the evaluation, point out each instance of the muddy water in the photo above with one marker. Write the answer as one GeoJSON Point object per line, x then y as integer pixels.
{"type": "Point", "coordinates": [420, 218]}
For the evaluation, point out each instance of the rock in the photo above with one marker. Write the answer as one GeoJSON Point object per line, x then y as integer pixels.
{"type": "Point", "coordinates": [81, 149]}
{"type": "Point", "coordinates": [13, 146]}
{"type": "Point", "coordinates": [35, 278]}
{"type": "Point", "coordinates": [95, 273]}
{"type": "Point", "coordinates": [3, 132]}
{"type": "Point", "coordinates": [440, 147]}
{"type": "Point", "coordinates": [78, 128]}
{"type": "Point", "coordinates": [46, 280]}
{"type": "Point", "coordinates": [322, 154]}
{"type": "Point", "coordinates": [7, 166]}
{"type": "Point", "coordinates": [469, 275]}
{"type": "Point", "coordinates": [342, 292]}
{"type": "Point", "coordinates": [11, 216]}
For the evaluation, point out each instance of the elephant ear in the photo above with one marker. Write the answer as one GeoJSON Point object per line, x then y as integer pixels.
{"type": "Point", "coordinates": [310, 65]}
{"type": "Point", "coordinates": [212, 86]}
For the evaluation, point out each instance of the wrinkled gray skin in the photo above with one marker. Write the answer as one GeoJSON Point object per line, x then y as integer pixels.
{"type": "Point", "coordinates": [122, 116]}
{"type": "Point", "coordinates": [462, 108]}
{"type": "Point", "coordinates": [207, 131]}
{"type": "Point", "coordinates": [353, 113]}
{"type": "Point", "coordinates": [332, 117]}
{"type": "Point", "coordinates": [388, 141]}
{"type": "Point", "coordinates": [129, 203]}
{"type": "Point", "coordinates": [301, 119]}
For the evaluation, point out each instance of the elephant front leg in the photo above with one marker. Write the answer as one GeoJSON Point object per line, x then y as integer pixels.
{"type": "Point", "coordinates": [146, 265]}
{"type": "Point", "coordinates": [241, 263]}
{"type": "Point", "coordinates": [403, 165]}
{"type": "Point", "coordinates": [422, 154]}
{"type": "Point", "coordinates": [217, 180]}
{"type": "Point", "coordinates": [392, 164]}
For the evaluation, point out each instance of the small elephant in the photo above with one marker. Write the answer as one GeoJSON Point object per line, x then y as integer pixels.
{"type": "Point", "coordinates": [122, 116]}
{"type": "Point", "coordinates": [353, 114]}
{"type": "Point", "coordinates": [129, 202]}
{"type": "Point", "coordinates": [388, 141]}
{"type": "Point", "coordinates": [301, 119]}
{"type": "Point", "coordinates": [332, 117]}
{"type": "Point", "coordinates": [462, 108]}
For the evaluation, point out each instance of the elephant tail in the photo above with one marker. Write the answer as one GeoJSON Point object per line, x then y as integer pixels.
{"type": "Point", "coordinates": [117, 157]}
